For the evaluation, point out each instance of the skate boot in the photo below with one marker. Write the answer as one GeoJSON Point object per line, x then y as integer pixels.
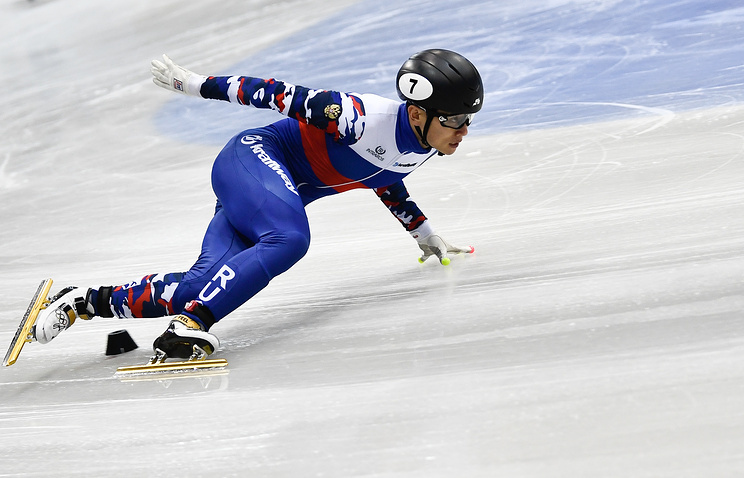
{"type": "Point", "coordinates": [69, 304]}
{"type": "Point", "coordinates": [182, 334]}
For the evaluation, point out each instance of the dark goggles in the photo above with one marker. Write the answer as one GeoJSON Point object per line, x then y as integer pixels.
{"type": "Point", "coordinates": [456, 121]}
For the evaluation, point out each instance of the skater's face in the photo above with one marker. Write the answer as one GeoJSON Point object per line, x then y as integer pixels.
{"type": "Point", "coordinates": [444, 139]}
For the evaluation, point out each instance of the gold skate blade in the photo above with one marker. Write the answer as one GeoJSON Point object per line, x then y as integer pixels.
{"type": "Point", "coordinates": [204, 374]}
{"type": "Point", "coordinates": [23, 335]}
{"type": "Point", "coordinates": [186, 366]}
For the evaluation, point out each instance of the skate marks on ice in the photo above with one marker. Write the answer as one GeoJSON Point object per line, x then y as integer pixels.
{"type": "Point", "coordinates": [605, 154]}
{"type": "Point", "coordinates": [595, 332]}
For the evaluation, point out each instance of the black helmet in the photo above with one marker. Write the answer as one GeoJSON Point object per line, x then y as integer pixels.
{"type": "Point", "coordinates": [442, 81]}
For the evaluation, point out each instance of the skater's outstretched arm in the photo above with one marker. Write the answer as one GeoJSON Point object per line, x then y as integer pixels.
{"type": "Point", "coordinates": [338, 114]}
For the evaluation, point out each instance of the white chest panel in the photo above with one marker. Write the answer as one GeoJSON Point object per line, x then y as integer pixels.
{"type": "Point", "coordinates": [377, 145]}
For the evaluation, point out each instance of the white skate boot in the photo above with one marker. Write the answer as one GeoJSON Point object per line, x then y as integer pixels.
{"type": "Point", "coordinates": [69, 304]}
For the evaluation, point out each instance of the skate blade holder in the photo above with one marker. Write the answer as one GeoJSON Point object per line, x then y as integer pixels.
{"type": "Point", "coordinates": [197, 354]}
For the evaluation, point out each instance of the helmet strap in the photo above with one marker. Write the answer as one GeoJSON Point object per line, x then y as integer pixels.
{"type": "Point", "coordinates": [427, 124]}
{"type": "Point", "coordinates": [429, 118]}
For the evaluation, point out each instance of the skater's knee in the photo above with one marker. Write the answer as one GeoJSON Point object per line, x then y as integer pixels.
{"type": "Point", "coordinates": [299, 242]}
{"type": "Point", "coordinates": [280, 251]}
{"type": "Point", "coordinates": [294, 244]}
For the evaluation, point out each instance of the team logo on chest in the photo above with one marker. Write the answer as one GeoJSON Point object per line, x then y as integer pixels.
{"type": "Point", "coordinates": [378, 152]}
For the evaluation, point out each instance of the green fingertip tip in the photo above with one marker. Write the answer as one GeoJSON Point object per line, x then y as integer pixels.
{"type": "Point", "coordinates": [446, 261]}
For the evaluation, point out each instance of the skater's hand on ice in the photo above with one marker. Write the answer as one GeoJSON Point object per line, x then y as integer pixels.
{"type": "Point", "coordinates": [432, 244]}
{"type": "Point", "coordinates": [170, 76]}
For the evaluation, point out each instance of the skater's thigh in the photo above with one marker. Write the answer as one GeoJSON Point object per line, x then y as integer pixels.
{"type": "Point", "coordinates": [256, 190]}
{"type": "Point", "coordinates": [221, 243]}
{"type": "Point", "coordinates": [259, 230]}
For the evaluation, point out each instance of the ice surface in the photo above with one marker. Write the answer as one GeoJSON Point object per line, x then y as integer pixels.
{"type": "Point", "coordinates": [596, 331]}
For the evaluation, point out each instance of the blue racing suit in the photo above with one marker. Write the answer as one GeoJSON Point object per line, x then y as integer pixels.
{"type": "Point", "coordinates": [263, 178]}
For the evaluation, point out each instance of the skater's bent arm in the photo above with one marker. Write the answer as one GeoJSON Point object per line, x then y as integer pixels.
{"type": "Point", "coordinates": [398, 201]}
{"type": "Point", "coordinates": [396, 198]}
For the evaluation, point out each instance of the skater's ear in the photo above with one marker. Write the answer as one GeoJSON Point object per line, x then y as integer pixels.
{"type": "Point", "coordinates": [416, 115]}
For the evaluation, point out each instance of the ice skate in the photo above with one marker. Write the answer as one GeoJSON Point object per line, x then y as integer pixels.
{"type": "Point", "coordinates": [185, 338]}
{"type": "Point", "coordinates": [182, 334]}
{"type": "Point", "coordinates": [64, 308]}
